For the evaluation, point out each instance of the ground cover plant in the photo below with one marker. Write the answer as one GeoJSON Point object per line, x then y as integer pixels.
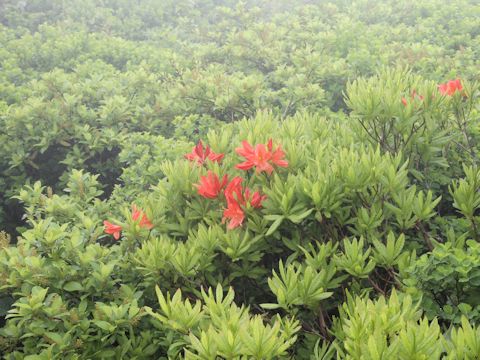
{"type": "Point", "coordinates": [239, 180]}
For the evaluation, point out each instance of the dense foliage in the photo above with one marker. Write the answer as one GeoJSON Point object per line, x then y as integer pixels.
{"type": "Point", "coordinates": [239, 180]}
{"type": "Point", "coordinates": [89, 73]}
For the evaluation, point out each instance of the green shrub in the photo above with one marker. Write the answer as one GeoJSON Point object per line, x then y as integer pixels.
{"type": "Point", "coordinates": [321, 228]}
{"type": "Point", "coordinates": [263, 180]}
{"type": "Point", "coordinates": [75, 78]}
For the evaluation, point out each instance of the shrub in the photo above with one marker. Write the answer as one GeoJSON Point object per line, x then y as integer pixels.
{"type": "Point", "coordinates": [222, 198]}
{"type": "Point", "coordinates": [289, 227]}
{"type": "Point", "coordinates": [76, 77]}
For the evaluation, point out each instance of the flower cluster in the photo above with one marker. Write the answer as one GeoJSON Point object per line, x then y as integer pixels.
{"type": "Point", "coordinates": [239, 198]}
{"type": "Point", "coordinates": [447, 89]}
{"type": "Point", "coordinates": [210, 186]}
{"type": "Point", "coordinates": [450, 87]}
{"type": "Point", "coordinates": [200, 154]}
{"type": "Point", "coordinates": [262, 157]}
{"type": "Point", "coordinates": [137, 215]}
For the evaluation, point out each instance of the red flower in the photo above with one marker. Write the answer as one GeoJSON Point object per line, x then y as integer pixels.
{"type": "Point", "coordinates": [237, 199]}
{"type": "Point", "coordinates": [233, 191]}
{"type": "Point", "coordinates": [414, 96]}
{"type": "Point", "coordinates": [112, 229]}
{"type": "Point", "coordinates": [256, 199]}
{"type": "Point", "coordinates": [450, 87]}
{"type": "Point", "coordinates": [210, 185]}
{"type": "Point", "coordinates": [236, 215]}
{"type": "Point", "coordinates": [261, 157]}
{"type": "Point", "coordinates": [200, 155]}
{"type": "Point", "coordinates": [139, 214]}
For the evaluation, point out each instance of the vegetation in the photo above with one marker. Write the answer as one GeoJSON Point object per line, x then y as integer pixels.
{"type": "Point", "coordinates": [239, 180]}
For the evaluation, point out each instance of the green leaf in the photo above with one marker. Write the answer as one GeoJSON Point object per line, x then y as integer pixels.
{"type": "Point", "coordinates": [104, 325]}
{"type": "Point", "coordinates": [269, 306]}
{"type": "Point", "coordinates": [73, 286]}
{"type": "Point", "coordinates": [34, 357]}
{"type": "Point", "coordinates": [107, 353]}
{"type": "Point", "coordinates": [56, 337]}
{"type": "Point", "coordinates": [297, 218]}
{"type": "Point", "coordinates": [274, 226]}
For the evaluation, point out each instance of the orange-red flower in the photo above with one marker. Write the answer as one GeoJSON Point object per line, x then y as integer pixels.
{"type": "Point", "coordinates": [112, 229]}
{"type": "Point", "coordinates": [237, 199]}
{"type": "Point", "coordinates": [139, 214]}
{"type": "Point", "coordinates": [200, 154]}
{"type": "Point", "coordinates": [261, 157]}
{"type": "Point", "coordinates": [210, 186]}
{"type": "Point", "coordinates": [256, 199]}
{"type": "Point", "coordinates": [235, 214]}
{"type": "Point", "coordinates": [450, 87]}
{"type": "Point", "coordinates": [233, 191]}
{"type": "Point", "coordinates": [414, 96]}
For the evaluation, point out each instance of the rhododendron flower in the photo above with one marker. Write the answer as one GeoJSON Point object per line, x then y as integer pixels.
{"type": "Point", "coordinates": [450, 87]}
{"type": "Point", "coordinates": [236, 215]}
{"type": "Point", "coordinates": [200, 154]}
{"type": "Point", "coordinates": [256, 199]}
{"type": "Point", "coordinates": [210, 186]}
{"type": "Point", "coordinates": [261, 157]}
{"type": "Point", "coordinates": [233, 191]}
{"type": "Point", "coordinates": [237, 199]}
{"type": "Point", "coordinates": [414, 96]}
{"type": "Point", "coordinates": [139, 214]}
{"type": "Point", "coordinates": [112, 229]}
